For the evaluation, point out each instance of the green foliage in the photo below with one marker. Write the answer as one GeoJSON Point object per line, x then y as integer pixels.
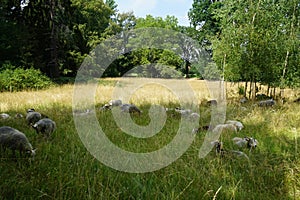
{"type": "Point", "coordinates": [256, 41]}
{"type": "Point", "coordinates": [19, 79]}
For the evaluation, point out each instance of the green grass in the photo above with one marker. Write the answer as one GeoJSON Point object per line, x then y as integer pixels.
{"type": "Point", "coordinates": [64, 169]}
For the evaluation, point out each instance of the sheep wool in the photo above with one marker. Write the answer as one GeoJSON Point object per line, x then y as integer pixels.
{"type": "Point", "coordinates": [15, 140]}
{"type": "Point", "coordinates": [32, 116]}
{"type": "Point", "coordinates": [45, 126]}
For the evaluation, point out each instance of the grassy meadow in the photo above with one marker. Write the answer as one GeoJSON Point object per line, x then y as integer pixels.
{"type": "Point", "coordinates": [64, 169]}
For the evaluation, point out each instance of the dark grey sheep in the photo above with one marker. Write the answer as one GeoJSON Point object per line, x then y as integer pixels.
{"type": "Point", "coordinates": [266, 103]}
{"type": "Point", "coordinates": [32, 116]}
{"type": "Point", "coordinates": [15, 140]}
{"type": "Point", "coordinates": [130, 108]}
{"type": "Point", "coordinates": [45, 126]}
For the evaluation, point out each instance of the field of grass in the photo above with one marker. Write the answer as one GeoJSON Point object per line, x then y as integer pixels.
{"type": "Point", "coordinates": [64, 169]}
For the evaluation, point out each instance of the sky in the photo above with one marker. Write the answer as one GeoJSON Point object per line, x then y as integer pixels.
{"type": "Point", "coordinates": [157, 8]}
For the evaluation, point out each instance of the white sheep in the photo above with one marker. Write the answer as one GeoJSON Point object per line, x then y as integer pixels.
{"type": "Point", "coordinates": [248, 142]}
{"type": "Point", "coordinates": [32, 116]}
{"type": "Point", "coordinates": [82, 113]}
{"type": "Point", "coordinates": [114, 103]}
{"type": "Point", "coordinates": [45, 126]}
{"type": "Point", "coordinates": [4, 116]}
{"type": "Point", "coordinates": [183, 112]}
{"type": "Point", "coordinates": [220, 128]}
{"type": "Point", "coordinates": [238, 124]}
{"type": "Point", "coordinates": [15, 140]}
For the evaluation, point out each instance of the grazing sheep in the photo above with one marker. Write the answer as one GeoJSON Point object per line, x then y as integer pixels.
{"type": "Point", "coordinates": [237, 124]}
{"type": "Point", "coordinates": [266, 103]}
{"type": "Point", "coordinates": [220, 128]}
{"type": "Point", "coordinates": [201, 128]}
{"type": "Point", "coordinates": [183, 112]}
{"type": "Point", "coordinates": [250, 142]}
{"type": "Point", "coordinates": [18, 115]}
{"type": "Point", "coordinates": [4, 116]}
{"type": "Point", "coordinates": [83, 113]}
{"type": "Point", "coordinates": [105, 107]}
{"type": "Point", "coordinates": [219, 147]}
{"type": "Point", "coordinates": [244, 100]}
{"type": "Point", "coordinates": [113, 103]}
{"type": "Point", "coordinates": [45, 126]}
{"type": "Point", "coordinates": [262, 97]}
{"type": "Point", "coordinates": [221, 151]}
{"type": "Point", "coordinates": [130, 108]}
{"type": "Point", "coordinates": [212, 102]}
{"type": "Point", "coordinates": [32, 116]}
{"type": "Point", "coordinates": [15, 140]}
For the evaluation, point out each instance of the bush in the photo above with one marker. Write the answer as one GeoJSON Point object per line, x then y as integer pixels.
{"type": "Point", "coordinates": [19, 79]}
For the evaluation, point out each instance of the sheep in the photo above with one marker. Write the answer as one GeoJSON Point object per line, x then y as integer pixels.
{"type": "Point", "coordinates": [249, 142]}
{"type": "Point", "coordinates": [224, 127]}
{"type": "Point", "coordinates": [219, 147]}
{"type": "Point", "coordinates": [212, 102]}
{"type": "Point", "coordinates": [130, 108]}
{"type": "Point", "coordinates": [201, 128]}
{"type": "Point", "coordinates": [183, 112]}
{"type": "Point", "coordinates": [4, 116]}
{"type": "Point", "coordinates": [243, 100]}
{"type": "Point", "coordinates": [18, 115]}
{"type": "Point", "coordinates": [114, 103]}
{"type": "Point", "coordinates": [32, 116]}
{"type": "Point", "coordinates": [105, 107]}
{"type": "Point", "coordinates": [83, 113]}
{"type": "Point", "coordinates": [266, 103]}
{"type": "Point", "coordinates": [222, 152]}
{"type": "Point", "coordinates": [15, 140]}
{"type": "Point", "coordinates": [45, 126]}
{"type": "Point", "coordinates": [237, 124]}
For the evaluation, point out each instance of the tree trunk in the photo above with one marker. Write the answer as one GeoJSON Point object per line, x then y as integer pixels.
{"type": "Point", "coordinates": [246, 87]}
{"type": "Point", "coordinates": [53, 68]}
{"type": "Point", "coordinates": [187, 68]}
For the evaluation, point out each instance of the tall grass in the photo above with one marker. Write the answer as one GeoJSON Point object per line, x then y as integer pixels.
{"type": "Point", "coordinates": [64, 169]}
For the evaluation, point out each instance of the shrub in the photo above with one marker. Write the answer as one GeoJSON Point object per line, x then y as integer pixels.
{"type": "Point", "coordinates": [19, 79]}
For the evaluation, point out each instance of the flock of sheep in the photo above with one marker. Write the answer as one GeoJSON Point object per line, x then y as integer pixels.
{"type": "Point", "coordinates": [15, 140]}
{"type": "Point", "coordinates": [230, 125]}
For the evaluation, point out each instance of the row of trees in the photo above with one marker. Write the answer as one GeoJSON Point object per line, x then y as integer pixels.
{"type": "Point", "coordinates": [252, 40]}
{"type": "Point", "coordinates": [249, 40]}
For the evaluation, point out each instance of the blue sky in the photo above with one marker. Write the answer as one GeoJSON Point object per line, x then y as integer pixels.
{"type": "Point", "coordinates": [157, 8]}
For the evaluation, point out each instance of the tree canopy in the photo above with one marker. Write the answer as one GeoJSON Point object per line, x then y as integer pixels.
{"type": "Point", "coordinates": [249, 40]}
